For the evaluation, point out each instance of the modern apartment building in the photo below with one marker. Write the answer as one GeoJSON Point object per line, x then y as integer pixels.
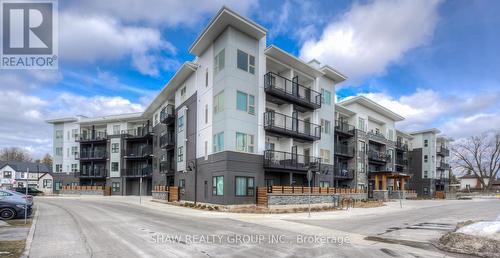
{"type": "Point", "coordinates": [430, 162]}
{"type": "Point", "coordinates": [242, 114]}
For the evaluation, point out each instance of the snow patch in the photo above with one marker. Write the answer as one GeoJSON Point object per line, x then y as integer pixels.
{"type": "Point", "coordinates": [490, 229]}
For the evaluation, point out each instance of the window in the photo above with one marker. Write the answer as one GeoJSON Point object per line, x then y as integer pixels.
{"type": "Point", "coordinates": [114, 166]}
{"type": "Point", "coordinates": [324, 184]}
{"type": "Point", "coordinates": [116, 129]}
{"type": "Point", "coordinates": [74, 132]}
{"type": "Point", "coordinates": [326, 97]}
{"type": "Point", "coordinates": [426, 191]}
{"type": "Point", "coordinates": [180, 124]}
{"type": "Point", "coordinates": [324, 155]}
{"type": "Point", "coordinates": [206, 78]}
{"type": "Point", "coordinates": [218, 185]}
{"type": "Point", "coordinates": [67, 136]}
{"type": "Point", "coordinates": [244, 142]}
{"type": "Point", "coordinates": [246, 62]}
{"type": "Point", "coordinates": [361, 124]}
{"type": "Point", "coordinates": [361, 166]}
{"type": "Point", "coordinates": [182, 183]}
{"type": "Point", "coordinates": [426, 143]}
{"type": "Point", "coordinates": [59, 134]}
{"type": "Point", "coordinates": [59, 151]}
{"type": "Point", "coordinates": [426, 174]}
{"type": "Point", "coordinates": [218, 142]}
{"type": "Point", "coordinates": [219, 102]}
{"type": "Point", "coordinates": [326, 126]}
{"type": "Point", "coordinates": [58, 167]}
{"type": "Point", "coordinates": [244, 186]}
{"type": "Point", "coordinates": [245, 102]}
{"type": "Point", "coordinates": [219, 61]}
{"type": "Point", "coordinates": [115, 147]}
{"type": "Point", "coordinates": [7, 174]}
{"type": "Point", "coordinates": [115, 187]}
{"type": "Point", "coordinates": [362, 148]}
{"type": "Point", "coordinates": [74, 167]}
{"type": "Point", "coordinates": [180, 154]}
{"type": "Point", "coordinates": [391, 134]}
{"type": "Point", "coordinates": [156, 119]}
{"type": "Point", "coordinates": [183, 93]}
{"type": "Point", "coordinates": [47, 183]}
{"type": "Point", "coordinates": [206, 114]}
{"type": "Point", "coordinates": [74, 150]}
{"type": "Point", "coordinates": [426, 158]}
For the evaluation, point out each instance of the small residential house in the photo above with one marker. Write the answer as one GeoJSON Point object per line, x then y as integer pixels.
{"type": "Point", "coordinates": [20, 173]}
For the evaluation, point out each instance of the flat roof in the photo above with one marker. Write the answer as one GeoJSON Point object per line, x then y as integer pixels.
{"type": "Point", "coordinates": [111, 118]}
{"type": "Point", "coordinates": [405, 134]}
{"type": "Point", "coordinates": [362, 100]}
{"type": "Point", "coordinates": [430, 130]}
{"type": "Point", "coordinates": [344, 110]}
{"type": "Point", "coordinates": [219, 22]}
{"type": "Point", "coordinates": [62, 120]}
{"type": "Point", "coordinates": [333, 74]}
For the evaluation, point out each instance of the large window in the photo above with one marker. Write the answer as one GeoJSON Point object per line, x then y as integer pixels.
{"type": "Point", "coordinates": [218, 142]}
{"type": "Point", "coordinates": [426, 143]}
{"type": "Point", "coordinates": [74, 132]}
{"type": "Point", "coordinates": [219, 61]}
{"type": "Point", "coordinates": [180, 124]}
{"type": "Point", "coordinates": [58, 167]}
{"type": "Point", "coordinates": [326, 96]}
{"type": "Point", "coordinates": [7, 174]}
{"type": "Point", "coordinates": [115, 186]}
{"type": "Point", "coordinates": [426, 174]}
{"type": "Point", "coordinates": [116, 129]}
{"type": "Point", "coordinates": [47, 183]}
{"type": "Point", "coordinates": [114, 166]}
{"type": "Point", "coordinates": [74, 167]}
{"type": "Point", "coordinates": [219, 102]}
{"type": "Point", "coordinates": [59, 151]}
{"type": "Point", "coordinates": [325, 155]}
{"type": "Point", "coordinates": [244, 142]}
{"type": "Point", "coordinates": [245, 102]}
{"type": "Point", "coordinates": [391, 134]}
{"type": "Point", "coordinates": [59, 134]}
{"type": "Point", "coordinates": [326, 126]}
{"type": "Point", "coordinates": [74, 150]}
{"type": "Point", "coordinates": [361, 124]}
{"type": "Point", "coordinates": [244, 186]}
{"type": "Point", "coordinates": [218, 185]}
{"type": "Point", "coordinates": [180, 154]}
{"type": "Point", "coordinates": [246, 62]}
{"type": "Point", "coordinates": [115, 147]}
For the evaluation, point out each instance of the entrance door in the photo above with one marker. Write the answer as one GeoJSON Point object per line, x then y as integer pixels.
{"type": "Point", "coordinates": [307, 158]}
{"type": "Point", "coordinates": [295, 86]}
{"type": "Point", "coordinates": [307, 126]}
{"type": "Point", "coordinates": [295, 121]}
{"type": "Point", "coordinates": [295, 156]}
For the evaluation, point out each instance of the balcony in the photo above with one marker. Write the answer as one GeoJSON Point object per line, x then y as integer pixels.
{"type": "Point", "coordinates": [345, 150]}
{"type": "Point", "coordinates": [166, 166]}
{"type": "Point", "coordinates": [138, 152]}
{"type": "Point", "coordinates": [400, 146]}
{"type": "Point", "coordinates": [377, 137]}
{"type": "Point", "coordinates": [286, 161]}
{"type": "Point", "coordinates": [341, 173]}
{"type": "Point", "coordinates": [92, 136]}
{"type": "Point", "coordinates": [443, 151]}
{"type": "Point", "coordinates": [283, 91]}
{"type": "Point", "coordinates": [96, 172]}
{"type": "Point", "coordinates": [401, 162]}
{"type": "Point", "coordinates": [98, 154]}
{"type": "Point", "coordinates": [377, 156]}
{"type": "Point", "coordinates": [167, 114]}
{"type": "Point", "coordinates": [442, 166]}
{"type": "Point", "coordinates": [291, 127]}
{"type": "Point", "coordinates": [167, 141]}
{"type": "Point", "coordinates": [146, 171]}
{"type": "Point", "coordinates": [138, 133]}
{"type": "Point", "coordinates": [344, 128]}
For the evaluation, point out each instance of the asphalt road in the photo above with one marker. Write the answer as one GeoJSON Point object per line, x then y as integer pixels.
{"type": "Point", "coordinates": [87, 227]}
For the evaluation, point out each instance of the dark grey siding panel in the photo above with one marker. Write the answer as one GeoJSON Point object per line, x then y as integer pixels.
{"type": "Point", "coordinates": [64, 179]}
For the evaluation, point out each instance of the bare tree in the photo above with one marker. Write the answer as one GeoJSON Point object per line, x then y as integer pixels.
{"type": "Point", "coordinates": [479, 155]}
{"type": "Point", "coordinates": [14, 154]}
{"type": "Point", "coordinates": [47, 160]}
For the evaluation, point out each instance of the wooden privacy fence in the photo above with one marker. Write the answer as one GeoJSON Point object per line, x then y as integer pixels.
{"type": "Point", "coordinates": [106, 189]}
{"type": "Point", "coordinates": [172, 191]}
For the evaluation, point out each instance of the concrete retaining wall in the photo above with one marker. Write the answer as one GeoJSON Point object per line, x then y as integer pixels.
{"type": "Point", "coordinates": [405, 195]}
{"type": "Point", "coordinates": [160, 195]}
{"type": "Point", "coordinates": [82, 192]}
{"type": "Point", "coordinates": [355, 196]}
{"type": "Point", "coordinates": [381, 195]}
{"type": "Point", "coordinates": [295, 199]}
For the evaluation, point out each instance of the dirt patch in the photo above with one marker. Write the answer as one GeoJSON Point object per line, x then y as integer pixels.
{"type": "Point", "coordinates": [368, 204]}
{"type": "Point", "coordinates": [19, 223]}
{"type": "Point", "coordinates": [11, 248]}
{"type": "Point", "coordinates": [468, 244]}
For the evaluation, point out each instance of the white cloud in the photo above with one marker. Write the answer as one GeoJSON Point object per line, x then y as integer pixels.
{"type": "Point", "coordinates": [159, 12]}
{"type": "Point", "coordinates": [369, 37]}
{"type": "Point", "coordinates": [456, 116]}
{"type": "Point", "coordinates": [98, 38]}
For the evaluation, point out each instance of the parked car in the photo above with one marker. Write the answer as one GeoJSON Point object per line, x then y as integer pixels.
{"type": "Point", "coordinates": [13, 205]}
{"type": "Point", "coordinates": [23, 195]}
{"type": "Point", "coordinates": [31, 191]}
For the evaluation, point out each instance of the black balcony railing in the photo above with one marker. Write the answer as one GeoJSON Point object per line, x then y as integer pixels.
{"type": "Point", "coordinates": [378, 156]}
{"type": "Point", "coordinates": [443, 166]}
{"type": "Point", "coordinates": [166, 166]}
{"type": "Point", "coordinates": [401, 161]}
{"type": "Point", "coordinates": [290, 161]}
{"type": "Point", "coordinates": [401, 146]}
{"type": "Point", "coordinates": [345, 128]}
{"type": "Point", "coordinates": [92, 172]}
{"type": "Point", "coordinates": [167, 140]}
{"type": "Point", "coordinates": [343, 173]}
{"type": "Point", "coordinates": [95, 154]}
{"type": "Point", "coordinates": [167, 114]}
{"type": "Point", "coordinates": [138, 152]}
{"type": "Point", "coordinates": [145, 171]}
{"type": "Point", "coordinates": [138, 132]}
{"type": "Point", "coordinates": [376, 137]}
{"type": "Point", "coordinates": [443, 151]}
{"type": "Point", "coordinates": [90, 136]}
{"type": "Point", "coordinates": [285, 89]}
{"type": "Point", "coordinates": [346, 150]}
{"type": "Point", "coordinates": [290, 126]}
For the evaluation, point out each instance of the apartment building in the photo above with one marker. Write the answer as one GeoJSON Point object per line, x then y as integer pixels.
{"type": "Point", "coordinates": [430, 162]}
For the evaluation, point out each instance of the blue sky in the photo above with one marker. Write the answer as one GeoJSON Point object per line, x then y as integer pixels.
{"type": "Point", "coordinates": [437, 63]}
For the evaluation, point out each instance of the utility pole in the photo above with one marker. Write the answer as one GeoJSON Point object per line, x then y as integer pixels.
{"type": "Point", "coordinates": [140, 190]}
{"type": "Point", "coordinates": [309, 177]}
{"type": "Point", "coordinates": [26, 202]}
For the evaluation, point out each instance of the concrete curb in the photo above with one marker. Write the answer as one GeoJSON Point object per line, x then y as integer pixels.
{"type": "Point", "coordinates": [31, 234]}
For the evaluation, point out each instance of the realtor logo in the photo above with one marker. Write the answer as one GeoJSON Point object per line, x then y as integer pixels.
{"type": "Point", "coordinates": [29, 35]}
